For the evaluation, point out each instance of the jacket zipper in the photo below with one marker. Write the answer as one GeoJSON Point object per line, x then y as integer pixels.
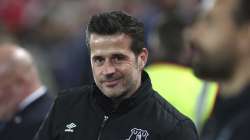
{"type": "Point", "coordinates": [102, 127]}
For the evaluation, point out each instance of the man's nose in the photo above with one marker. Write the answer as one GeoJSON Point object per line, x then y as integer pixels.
{"type": "Point", "coordinates": [108, 68]}
{"type": "Point", "coordinates": [197, 30]}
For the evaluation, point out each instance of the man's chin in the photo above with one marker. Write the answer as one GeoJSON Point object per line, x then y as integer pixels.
{"type": "Point", "coordinates": [210, 75]}
{"type": "Point", "coordinates": [203, 76]}
{"type": "Point", "coordinates": [111, 93]}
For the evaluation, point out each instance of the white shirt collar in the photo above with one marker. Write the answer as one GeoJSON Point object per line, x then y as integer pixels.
{"type": "Point", "coordinates": [32, 97]}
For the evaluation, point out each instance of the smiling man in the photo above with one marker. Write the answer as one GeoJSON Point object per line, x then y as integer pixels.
{"type": "Point", "coordinates": [116, 70]}
{"type": "Point", "coordinates": [121, 104]}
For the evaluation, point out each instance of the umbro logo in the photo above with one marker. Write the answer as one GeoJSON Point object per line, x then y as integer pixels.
{"type": "Point", "coordinates": [70, 127]}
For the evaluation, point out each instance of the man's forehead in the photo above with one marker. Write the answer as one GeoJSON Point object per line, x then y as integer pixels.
{"type": "Point", "coordinates": [109, 51]}
{"type": "Point", "coordinates": [109, 43]}
{"type": "Point", "coordinates": [96, 38]}
{"type": "Point", "coordinates": [217, 7]}
{"type": "Point", "coordinates": [208, 5]}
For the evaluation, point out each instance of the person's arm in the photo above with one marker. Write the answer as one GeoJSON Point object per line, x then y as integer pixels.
{"type": "Point", "coordinates": [185, 130]}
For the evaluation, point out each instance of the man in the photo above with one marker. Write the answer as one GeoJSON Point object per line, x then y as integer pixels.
{"type": "Point", "coordinates": [24, 102]}
{"type": "Point", "coordinates": [121, 104]}
{"type": "Point", "coordinates": [221, 44]}
{"type": "Point", "coordinates": [168, 71]}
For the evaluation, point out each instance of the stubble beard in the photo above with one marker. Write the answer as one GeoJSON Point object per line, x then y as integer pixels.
{"type": "Point", "coordinates": [220, 69]}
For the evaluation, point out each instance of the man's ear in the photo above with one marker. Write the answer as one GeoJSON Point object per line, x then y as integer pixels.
{"type": "Point", "coordinates": [142, 58]}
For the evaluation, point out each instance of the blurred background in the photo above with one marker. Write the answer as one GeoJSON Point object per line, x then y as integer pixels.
{"type": "Point", "coordinates": [53, 30]}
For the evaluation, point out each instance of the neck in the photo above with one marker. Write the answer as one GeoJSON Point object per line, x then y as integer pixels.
{"type": "Point", "coordinates": [239, 80]}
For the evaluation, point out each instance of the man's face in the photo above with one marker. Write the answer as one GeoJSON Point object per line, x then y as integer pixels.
{"type": "Point", "coordinates": [116, 69]}
{"type": "Point", "coordinates": [213, 42]}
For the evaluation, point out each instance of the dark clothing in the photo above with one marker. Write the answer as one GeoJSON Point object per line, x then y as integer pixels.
{"type": "Point", "coordinates": [230, 119]}
{"type": "Point", "coordinates": [86, 114]}
{"type": "Point", "coordinates": [26, 123]}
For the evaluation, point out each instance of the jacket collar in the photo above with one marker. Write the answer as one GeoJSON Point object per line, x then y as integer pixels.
{"type": "Point", "coordinates": [107, 106]}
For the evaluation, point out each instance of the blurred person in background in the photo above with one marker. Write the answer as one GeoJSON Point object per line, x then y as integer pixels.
{"type": "Point", "coordinates": [24, 101]}
{"type": "Point", "coordinates": [170, 69]}
{"type": "Point", "coordinates": [50, 28]}
{"type": "Point", "coordinates": [220, 40]}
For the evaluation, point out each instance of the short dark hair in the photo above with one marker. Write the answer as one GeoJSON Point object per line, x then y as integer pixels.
{"type": "Point", "coordinates": [242, 12]}
{"type": "Point", "coordinates": [109, 23]}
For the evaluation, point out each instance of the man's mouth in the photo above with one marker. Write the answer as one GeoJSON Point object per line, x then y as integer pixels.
{"type": "Point", "coordinates": [111, 83]}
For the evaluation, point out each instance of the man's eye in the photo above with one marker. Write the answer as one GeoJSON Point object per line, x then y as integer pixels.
{"type": "Point", "coordinates": [118, 59]}
{"type": "Point", "coordinates": [98, 61]}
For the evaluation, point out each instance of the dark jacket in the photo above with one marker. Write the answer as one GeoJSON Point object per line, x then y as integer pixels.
{"type": "Point", "coordinates": [26, 123]}
{"type": "Point", "coordinates": [230, 119]}
{"type": "Point", "coordinates": [86, 114]}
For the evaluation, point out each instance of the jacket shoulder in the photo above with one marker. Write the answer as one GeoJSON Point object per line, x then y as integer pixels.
{"type": "Point", "coordinates": [74, 95]}
{"type": "Point", "coordinates": [176, 124]}
{"type": "Point", "coordinates": [169, 109]}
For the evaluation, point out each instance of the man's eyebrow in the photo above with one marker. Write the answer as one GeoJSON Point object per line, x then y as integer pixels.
{"type": "Point", "coordinates": [118, 54]}
{"type": "Point", "coordinates": [96, 57]}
